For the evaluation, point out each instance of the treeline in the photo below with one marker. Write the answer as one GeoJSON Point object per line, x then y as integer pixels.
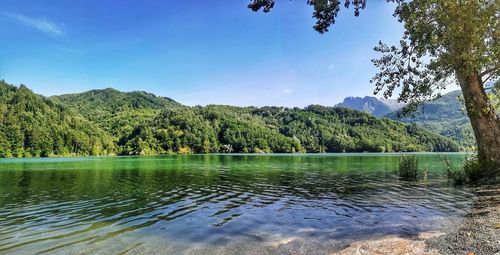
{"type": "Point", "coordinates": [104, 122]}
{"type": "Point", "coordinates": [274, 129]}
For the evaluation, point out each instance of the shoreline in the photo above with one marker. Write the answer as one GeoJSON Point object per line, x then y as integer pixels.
{"type": "Point", "coordinates": [243, 154]}
{"type": "Point", "coordinates": [477, 234]}
{"type": "Point", "coordinates": [480, 231]}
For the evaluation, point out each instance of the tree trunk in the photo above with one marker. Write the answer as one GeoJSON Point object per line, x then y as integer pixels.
{"type": "Point", "coordinates": [485, 123]}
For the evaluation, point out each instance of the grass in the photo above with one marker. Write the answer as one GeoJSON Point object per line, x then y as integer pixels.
{"type": "Point", "coordinates": [408, 168]}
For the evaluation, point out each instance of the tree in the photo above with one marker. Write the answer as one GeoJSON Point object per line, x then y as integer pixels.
{"type": "Point", "coordinates": [444, 42]}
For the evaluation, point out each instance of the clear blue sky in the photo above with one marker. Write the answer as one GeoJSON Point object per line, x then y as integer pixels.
{"type": "Point", "coordinates": [196, 52]}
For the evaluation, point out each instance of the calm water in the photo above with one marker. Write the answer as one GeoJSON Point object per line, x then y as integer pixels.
{"type": "Point", "coordinates": [233, 204]}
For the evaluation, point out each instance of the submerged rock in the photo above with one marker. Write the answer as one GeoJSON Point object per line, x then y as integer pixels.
{"type": "Point", "coordinates": [392, 245]}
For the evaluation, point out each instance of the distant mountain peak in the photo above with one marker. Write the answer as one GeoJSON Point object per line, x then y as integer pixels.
{"type": "Point", "coordinates": [372, 105]}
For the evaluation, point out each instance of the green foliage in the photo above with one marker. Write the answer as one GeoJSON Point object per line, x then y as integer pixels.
{"type": "Point", "coordinates": [470, 172]}
{"type": "Point", "coordinates": [408, 168]}
{"type": "Point", "coordinates": [276, 129]}
{"type": "Point", "coordinates": [458, 175]}
{"type": "Point", "coordinates": [117, 113]}
{"type": "Point", "coordinates": [325, 12]}
{"type": "Point", "coordinates": [33, 126]}
{"type": "Point", "coordinates": [445, 116]}
{"type": "Point", "coordinates": [102, 122]}
{"type": "Point", "coordinates": [443, 41]}
{"type": "Point", "coordinates": [473, 168]}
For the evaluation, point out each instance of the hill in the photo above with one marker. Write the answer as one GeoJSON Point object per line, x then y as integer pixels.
{"type": "Point", "coordinates": [445, 115]}
{"type": "Point", "coordinates": [32, 125]}
{"type": "Point", "coordinates": [372, 105]}
{"type": "Point", "coordinates": [100, 122]}
{"type": "Point", "coordinates": [315, 128]}
{"type": "Point", "coordinates": [114, 111]}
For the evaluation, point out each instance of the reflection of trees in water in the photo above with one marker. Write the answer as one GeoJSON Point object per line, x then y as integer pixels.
{"type": "Point", "coordinates": [113, 196]}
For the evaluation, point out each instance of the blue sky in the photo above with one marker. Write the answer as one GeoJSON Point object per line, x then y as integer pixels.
{"type": "Point", "coordinates": [196, 52]}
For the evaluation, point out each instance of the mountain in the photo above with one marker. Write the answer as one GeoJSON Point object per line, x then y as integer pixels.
{"type": "Point", "coordinates": [101, 122]}
{"type": "Point", "coordinates": [114, 111]}
{"type": "Point", "coordinates": [372, 105]}
{"type": "Point", "coordinates": [445, 115]}
{"type": "Point", "coordinates": [32, 125]}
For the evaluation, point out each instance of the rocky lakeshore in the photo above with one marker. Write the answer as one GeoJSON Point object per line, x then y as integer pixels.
{"type": "Point", "coordinates": [479, 234]}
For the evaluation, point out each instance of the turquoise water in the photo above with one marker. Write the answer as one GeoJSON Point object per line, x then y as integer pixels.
{"type": "Point", "coordinates": [218, 204]}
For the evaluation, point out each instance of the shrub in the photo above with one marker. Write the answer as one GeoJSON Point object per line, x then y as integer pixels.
{"type": "Point", "coordinates": [472, 168]}
{"type": "Point", "coordinates": [408, 168]}
{"type": "Point", "coordinates": [456, 174]}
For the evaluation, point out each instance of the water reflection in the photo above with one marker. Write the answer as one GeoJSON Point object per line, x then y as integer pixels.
{"type": "Point", "coordinates": [187, 204]}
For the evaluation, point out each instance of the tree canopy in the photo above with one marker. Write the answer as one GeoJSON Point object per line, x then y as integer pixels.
{"type": "Point", "coordinates": [444, 42]}
{"type": "Point", "coordinates": [102, 122]}
{"type": "Point", "coordinates": [443, 39]}
{"type": "Point", "coordinates": [34, 126]}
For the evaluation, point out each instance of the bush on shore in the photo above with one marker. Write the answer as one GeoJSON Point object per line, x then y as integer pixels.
{"type": "Point", "coordinates": [469, 172]}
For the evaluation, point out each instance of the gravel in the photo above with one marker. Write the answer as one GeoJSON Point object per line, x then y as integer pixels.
{"type": "Point", "coordinates": [480, 232]}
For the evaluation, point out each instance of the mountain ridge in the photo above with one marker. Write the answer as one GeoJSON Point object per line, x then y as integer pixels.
{"type": "Point", "coordinates": [372, 105]}
{"type": "Point", "coordinates": [141, 123]}
{"type": "Point", "coordinates": [446, 116]}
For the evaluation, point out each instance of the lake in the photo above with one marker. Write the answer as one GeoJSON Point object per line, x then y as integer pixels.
{"type": "Point", "coordinates": [219, 204]}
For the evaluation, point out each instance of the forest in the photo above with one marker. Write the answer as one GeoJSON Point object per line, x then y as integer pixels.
{"type": "Point", "coordinates": [110, 122]}
{"type": "Point", "coordinates": [34, 126]}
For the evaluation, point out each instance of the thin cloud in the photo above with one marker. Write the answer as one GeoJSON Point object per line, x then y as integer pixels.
{"type": "Point", "coordinates": [41, 24]}
{"type": "Point", "coordinates": [330, 67]}
{"type": "Point", "coordinates": [286, 91]}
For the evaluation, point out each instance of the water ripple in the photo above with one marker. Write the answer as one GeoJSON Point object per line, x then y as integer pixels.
{"type": "Point", "coordinates": [211, 201]}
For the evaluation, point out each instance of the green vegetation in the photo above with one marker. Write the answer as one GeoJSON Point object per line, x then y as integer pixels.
{"type": "Point", "coordinates": [408, 168]}
{"type": "Point", "coordinates": [103, 122]}
{"type": "Point", "coordinates": [453, 173]}
{"type": "Point", "coordinates": [116, 112]}
{"type": "Point", "coordinates": [276, 129]}
{"type": "Point", "coordinates": [473, 168]}
{"type": "Point", "coordinates": [470, 172]}
{"type": "Point", "coordinates": [443, 41]}
{"type": "Point", "coordinates": [33, 126]}
{"type": "Point", "coordinates": [446, 116]}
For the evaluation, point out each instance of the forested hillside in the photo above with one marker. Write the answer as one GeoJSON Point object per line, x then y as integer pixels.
{"type": "Point", "coordinates": [445, 116]}
{"type": "Point", "coordinates": [31, 125]}
{"type": "Point", "coordinates": [275, 129]}
{"type": "Point", "coordinates": [114, 111]}
{"type": "Point", "coordinates": [101, 122]}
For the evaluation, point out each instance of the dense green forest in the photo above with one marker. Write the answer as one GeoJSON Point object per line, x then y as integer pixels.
{"type": "Point", "coordinates": [32, 125]}
{"type": "Point", "coordinates": [116, 112]}
{"type": "Point", "coordinates": [103, 122]}
{"type": "Point", "coordinates": [275, 129]}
